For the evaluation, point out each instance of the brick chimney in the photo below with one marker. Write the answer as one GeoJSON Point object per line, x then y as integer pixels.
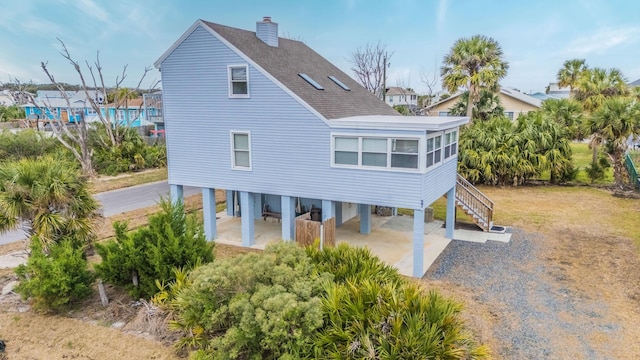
{"type": "Point", "coordinates": [267, 31]}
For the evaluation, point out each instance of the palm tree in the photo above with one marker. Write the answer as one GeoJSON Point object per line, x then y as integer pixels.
{"type": "Point", "coordinates": [615, 121]}
{"type": "Point", "coordinates": [570, 73]}
{"type": "Point", "coordinates": [488, 106]}
{"type": "Point", "coordinates": [546, 144]}
{"type": "Point", "coordinates": [565, 112]}
{"type": "Point", "coordinates": [595, 85]}
{"type": "Point", "coordinates": [48, 198]}
{"type": "Point", "coordinates": [593, 88]}
{"type": "Point", "coordinates": [473, 64]}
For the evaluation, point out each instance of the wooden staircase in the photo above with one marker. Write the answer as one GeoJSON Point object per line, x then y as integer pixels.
{"type": "Point", "coordinates": [474, 203]}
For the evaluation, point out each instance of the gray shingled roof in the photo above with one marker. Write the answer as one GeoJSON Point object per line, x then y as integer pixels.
{"type": "Point", "coordinates": [292, 57]}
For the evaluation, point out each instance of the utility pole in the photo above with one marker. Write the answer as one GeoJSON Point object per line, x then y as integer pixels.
{"type": "Point", "coordinates": [384, 79]}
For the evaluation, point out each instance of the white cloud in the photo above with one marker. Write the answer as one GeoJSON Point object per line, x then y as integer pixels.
{"type": "Point", "coordinates": [40, 26]}
{"type": "Point", "coordinates": [442, 15]}
{"type": "Point", "coordinates": [10, 71]}
{"type": "Point", "coordinates": [603, 40]}
{"type": "Point", "coordinates": [90, 8]}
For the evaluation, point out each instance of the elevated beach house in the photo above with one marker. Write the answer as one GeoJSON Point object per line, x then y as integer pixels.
{"type": "Point", "coordinates": [283, 130]}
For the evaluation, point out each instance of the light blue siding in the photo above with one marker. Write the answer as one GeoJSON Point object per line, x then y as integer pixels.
{"type": "Point", "coordinates": [438, 181]}
{"type": "Point", "coordinates": [290, 146]}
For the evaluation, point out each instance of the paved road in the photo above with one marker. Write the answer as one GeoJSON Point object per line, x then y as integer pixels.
{"type": "Point", "coordinates": [119, 201]}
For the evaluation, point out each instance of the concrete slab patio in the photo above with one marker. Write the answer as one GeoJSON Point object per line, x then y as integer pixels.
{"type": "Point", "coordinates": [391, 238]}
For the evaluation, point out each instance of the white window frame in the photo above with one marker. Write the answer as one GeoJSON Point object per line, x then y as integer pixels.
{"type": "Point", "coordinates": [440, 160]}
{"type": "Point", "coordinates": [389, 138]}
{"type": "Point", "coordinates": [233, 150]}
{"type": "Point", "coordinates": [358, 151]}
{"type": "Point", "coordinates": [230, 81]}
{"type": "Point", "coordinates": [445, 145]}
{"type": "Point", "coordinates": [361, 152]}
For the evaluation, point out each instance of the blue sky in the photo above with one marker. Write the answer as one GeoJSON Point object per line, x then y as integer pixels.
{"type": "Point", "coordinates": [536, 36]}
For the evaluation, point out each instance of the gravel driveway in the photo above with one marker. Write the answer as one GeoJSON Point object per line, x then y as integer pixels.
{"type": "Point", "coordinates": [538, 315]}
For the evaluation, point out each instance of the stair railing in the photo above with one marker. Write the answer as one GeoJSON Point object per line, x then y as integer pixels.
{"type": "Point", "coordinates": [476, 202]}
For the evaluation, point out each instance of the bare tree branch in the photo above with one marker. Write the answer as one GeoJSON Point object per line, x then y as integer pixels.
{"type": "Point", "coordinates": [430, 81]}
{"type": "Point", "coordinates": [76, 137]}
{"type": "Point", "coordinates": [368, 64]}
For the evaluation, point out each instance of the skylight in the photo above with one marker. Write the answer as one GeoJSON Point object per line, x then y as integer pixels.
{"type": "Point", "coordinates": [311, 81]}
{"type": "Point", "coordinates": [339, 83]}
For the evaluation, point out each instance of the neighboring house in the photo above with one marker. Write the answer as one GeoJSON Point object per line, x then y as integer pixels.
{"type": "Point", "coordinates": [153, 109]}
{"type": "Point", "coordinates": [129, 113]}
{"type": "Point", "coordinates": [543, 96]}
{"type": "Point", "coordinates": [514, 102]}
{"type": "Point", "coordinates": [553, 89]}
{"type": "Point", "coordinates": [6, 99]}
{"type": "Point", "coordinates": [56, 107]}
{"type": "Point", "coordinates": [400, 96]}
{"type": "Point", "coordinates": [278, 126]}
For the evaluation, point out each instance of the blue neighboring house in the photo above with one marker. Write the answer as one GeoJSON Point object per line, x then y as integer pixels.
{"type": "Point", "coordinates": [131, 113]}
{"type": "Point", "coordinates": [56, 107]}
{"type": "Point", "coordinates": [271, 121]}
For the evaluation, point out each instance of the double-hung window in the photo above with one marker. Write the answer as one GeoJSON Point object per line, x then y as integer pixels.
{"type": "Point", "coordinates": [241, 150]}
{"type": "Point", "coordinates": [450, 144]}
{"type": "Point", "coordinates": [434, 151]}
{"type": "Point", "coordinates": [346, 151]}
{"type": "Point", "coordinates": [238, 81]}
{"type": "Point", "coordinates": [404, 153]}
{"type": "Point", "coordinates": [374, 152]}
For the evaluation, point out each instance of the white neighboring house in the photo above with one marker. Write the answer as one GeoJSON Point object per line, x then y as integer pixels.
{"type": "Point", "coordinates": [554, 90]}
{"type": "Point", "coordinates": [400, 96]}
{"type": "Point", "coordinates": [6, 99]}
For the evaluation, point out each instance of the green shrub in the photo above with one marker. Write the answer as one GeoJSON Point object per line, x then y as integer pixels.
{"type": "Point", "coordinates": [172, 239]}
{"type": "Point", "coordinates": [56, 280]}
{"type": "Point", "coordinates": [26, 144]}
{"type": "Point", "coordinates": [352, 264]}
{"type": "Point", "coordinates": [132, 153]}
{"type": "Point", "coordinates": [255, 306]}
{"type": "Point", "coordinates": [371, 311]}
{"type": "Point", "coordinates": [371, 320]}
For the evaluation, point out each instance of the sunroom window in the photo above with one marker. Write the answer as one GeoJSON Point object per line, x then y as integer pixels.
{"type": "Point", "coordinates": [450, 144]}
{"type": "Point", "coordinates": [374, 152]}
{"type": "Point", "coordinates": [346, 151]}
{"type": "Point", "coordinates": [404, 154]}
{"type": "Point", "coordinates": [434, 151]}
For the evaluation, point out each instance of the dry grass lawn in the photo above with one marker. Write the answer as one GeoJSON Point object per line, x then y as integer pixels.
{"type": "Point", "coordinates": [108, 183]}
{"type": "Point", "coordinates": [590, 240]}
{"type": "Point", "coordinates": [591, 236]}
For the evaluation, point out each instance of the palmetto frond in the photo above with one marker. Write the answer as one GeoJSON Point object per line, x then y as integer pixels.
{"type": "Point", "coordinates": [50, 196]}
